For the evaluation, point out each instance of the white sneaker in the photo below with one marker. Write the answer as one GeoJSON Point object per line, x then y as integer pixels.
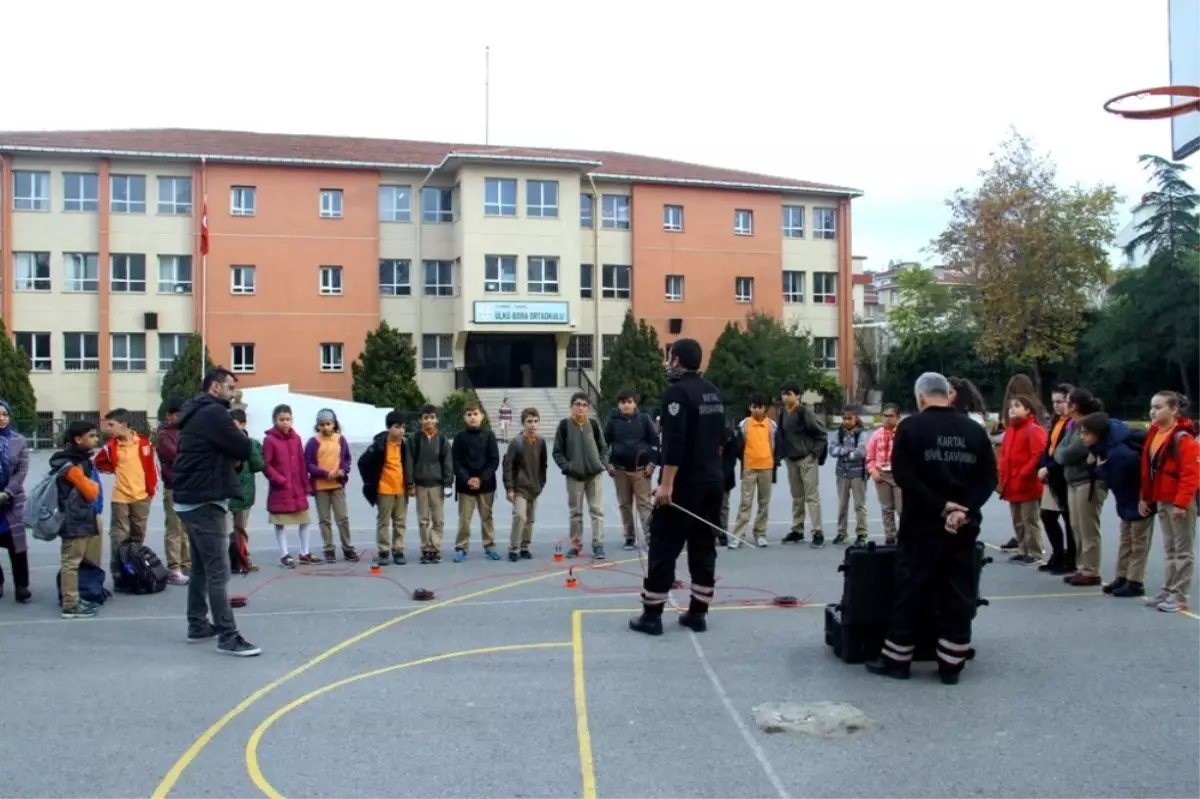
{"type": "Point", "coordinates": [177, 578]}
{"type": "Point", "coordinates": [734, 542]}
{"type": "Point", "coordinates": [761, 541]}
{"type": "Point", "coordinates": [1154, 601]}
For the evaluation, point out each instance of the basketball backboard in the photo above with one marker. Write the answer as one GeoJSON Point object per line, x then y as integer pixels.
{"type": "Point", "coordinates": [1184, 24]}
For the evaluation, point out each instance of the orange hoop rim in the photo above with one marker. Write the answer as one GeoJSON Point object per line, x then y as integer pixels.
{"type": "Point", "coordinates": [1158, 113]}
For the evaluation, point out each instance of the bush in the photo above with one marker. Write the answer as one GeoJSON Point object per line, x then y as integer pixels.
{"type": "Point", "coordinates": [450, 412]}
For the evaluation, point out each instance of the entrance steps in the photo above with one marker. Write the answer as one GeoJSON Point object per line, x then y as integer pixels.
{"type": "Point", "coordinates": [552, 403]}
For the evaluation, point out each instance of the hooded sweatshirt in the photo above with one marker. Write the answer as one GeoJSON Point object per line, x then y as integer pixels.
{"type": "Point", "coordinates": [1121, 471]}
{"type": "Point", "coordinates": [849, 447]}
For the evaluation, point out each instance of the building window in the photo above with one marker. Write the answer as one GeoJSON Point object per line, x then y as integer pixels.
{"type": "Point", "coordinates": [615, 282]}
{"type": "Point", "coordinates": [674, 289]}
{"type": "Point", "coordinates": [541, 199]}
{"type": "Point", "coordinates": [395, 277]}
{"type": "Point", "coordinates": [81, 352]}
{"type": "Point", "coordinates": [825, 287]}
{"type": "Point", "coordinates": [174, 196]}
{"type": "Point", "coordinates": [331, 203]}
{"type": "Point", "coordinates": [580, 352]}
{"type": "Point", "coordinates": [37, 349]}
{"type": "Point", "coordinates": [31, 191]}
{"type": "Point", "coordinates": [128, 194]}
{"type": "Point", "coordinates": [743, 289]}
{"type": "Point", "coordinates": [437, 204]}
{"type": "Point", "coordinates": [242, 200]}
{"type": "Point", "coordinates": [81, 191]}
{"type": "Point", "coordinates": [500, 274]}
{"type": "Point", "coordinates": [31, 271]}
{"type": "Point", "coordinates": [395, 203]}
{"type": "Point", "coordinates": [825, 353]}
{"type": "Point", "coordinates": [793, 287]}
{"type": "Point", "coordinates": [673, 218]}
{"type": "Point", "coordinates": [586, 212]}
{"type": "Point", "coordinates": [543, 275]}
{"type": "Point", "coordinates": [608, 345]}
{"type": "Point", "coordinates": [170, 347]}
{"type": "Point", "coordinates": [743, 222]}
{"type": "Point", "coordinates": [174, 274]}
{"type": "Point", "coordinates": [499, 197]}
{"type": "Point", "coordinates": [587, 281]}
{"type": "Point", "coordinates": [331, 358]}
{"type": "Point", "coordinates": [614, 213]}
{"type": "Point", "coordinates": [438, 278]}
{"type": "Point", "coordinates": [793, 221]}
{"type": "Point", "coordinates": [241, 279]}
{"type": "Point", "coordinates": [437, 352]}
{"type": "Point", "coordinates": [241, 358]}
{"type": "Point", "coordinates": [128, 273]}
{"type": "Point", "coordinates": [129, 352]}
{"type": "Point", "coordinates": [82, 270]}
{"type": "Point", "coordinates": [331, 281]}
{"type": "Point", "coordinates": [824, 223]}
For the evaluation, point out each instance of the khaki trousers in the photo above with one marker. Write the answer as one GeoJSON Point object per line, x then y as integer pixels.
{"type": "Point", "coordinates": [1027, 527]}
{"type": "Point", "coordinates": [633, 486]}
{"type": "Point", "coordinates": [431, 516]}
{"type": "Point", "coordinates": [852, 487]}
{"type": "Point", "coordinates": [1085, 501]}
{"type": "Point", "coordinates": [1179, 548]}
{"type": "Point", "coordinates": [524, 511]}
{"type": "Point", "coordinates": [1133, 550]}
{"type": "Point", "coordinates": [129, 522]}
{"type": "Point", "coordinates": [890, 502]}
{"type": "Point", "coordinates": [331, 506]}
{"type": "Point", "coordinates": [175, 542]}
{"type": "Point", "coordinates": [804, 482]}
{"type": "Point", "coordinates": [755, 483]}
{"type": "Point", "coordinates": [591, 490]}
{"type": "Point", "coordinates": [74, 552]}
{"type": "Point", "coordinates": [391, 522]}
{"type": "Point", "coordinates": [724, 520]}
{"type": "Point", "coordinates": [467, 504]}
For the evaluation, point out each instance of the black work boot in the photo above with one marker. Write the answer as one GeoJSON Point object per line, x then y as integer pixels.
{"type": "Point", "coordinates": [887, 667]}
{"type": "Point", "coordinates": [793, 537]}
{"type": "Point", "coordinates": [949, 674]}
{"type": "Point", "coordinates": [1115, 585]}
{"type": "Point", "coordinates": [696, 617]}
{"type": "Point", "coordinates": [650, 622]}
{"type": "Point", "coordinates": [1130, 588]}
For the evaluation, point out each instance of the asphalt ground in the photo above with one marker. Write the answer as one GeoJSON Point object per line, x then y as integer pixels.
{"type": "Point", "coordinates": [511, 684]}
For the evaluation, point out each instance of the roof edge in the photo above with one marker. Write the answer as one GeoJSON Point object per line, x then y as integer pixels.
{"type": "Point", "coordinates": [731, 184]}
{"type": "Point", "coordinates": [245, 159]}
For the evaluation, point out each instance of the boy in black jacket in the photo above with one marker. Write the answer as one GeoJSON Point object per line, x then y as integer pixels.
{"type": "Point", "coordinates": [633, 451]}
{"type": "Point", "coordinates": [476, 457]}
{"type": "Point", "coordinates": [387, 474]}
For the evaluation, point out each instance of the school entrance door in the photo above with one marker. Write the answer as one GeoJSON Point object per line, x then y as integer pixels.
{"type": "Point", "coordinates": [512, 360]}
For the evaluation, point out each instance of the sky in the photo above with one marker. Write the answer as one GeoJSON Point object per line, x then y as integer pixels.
{"type": "Point", "coordinates": [904, 101]}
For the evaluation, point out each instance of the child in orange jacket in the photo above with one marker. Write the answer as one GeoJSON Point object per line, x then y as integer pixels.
{"type": "Point", "coordinates": [129, 456]}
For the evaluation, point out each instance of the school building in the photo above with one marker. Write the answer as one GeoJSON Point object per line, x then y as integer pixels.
{"type": "Point", "coordinates": [508, 266]}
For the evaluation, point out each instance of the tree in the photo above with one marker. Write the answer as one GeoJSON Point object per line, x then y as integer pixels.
{"type": "Point", "coordinates": [15, 386]}
{"type": "Point", "coordinates": [1034, 252]}
{"type": "Point", "coordinates": [758, 359]}
{"type": "Point", "coordinates": [926, 309]}
{"type": "Point", "coordinates": [385, 372]}
{"type": "Point", "coordinates": [635, 363]}
{"type": "Point", "coordinates": [1172, 227]}
{"type": "Point", "coordinates": [185, 377]}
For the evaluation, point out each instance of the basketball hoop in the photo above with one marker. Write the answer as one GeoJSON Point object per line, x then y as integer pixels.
{"type": "Point", "coordinates": [1159, 112]}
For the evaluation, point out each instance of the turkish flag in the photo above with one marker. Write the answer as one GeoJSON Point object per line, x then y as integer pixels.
{"type": "Point", "coordinates": [204, 230]}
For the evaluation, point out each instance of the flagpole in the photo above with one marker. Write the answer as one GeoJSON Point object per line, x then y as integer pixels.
{"type": "Point", "coordinates": [487, 94]}
{"type": "Point", "coordinates": [204, 268]}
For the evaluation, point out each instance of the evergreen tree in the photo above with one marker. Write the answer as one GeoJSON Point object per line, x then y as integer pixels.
{"type": "Point", "coordinates": [385, 373]}
{"type": "Point", "coordinates": [184, 378]}
{"type": "Point", "coordinates": [15, 388]}
{"type": "Point", "coordinates": [635, 363]}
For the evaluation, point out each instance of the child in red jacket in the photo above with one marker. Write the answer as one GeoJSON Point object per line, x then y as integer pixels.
{"type": "Point", "coordinates": [1024, 440]}
{"type": "Point", "coordinates": [129, 456]}
{"type": "Point", "coordinates": [1170, 480]}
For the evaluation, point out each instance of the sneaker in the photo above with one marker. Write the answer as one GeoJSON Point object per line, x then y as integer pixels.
{"type": "Point", "coordinates": [491, 554]}
{"type": "Point", "coordinates": [308, 558]}
{"type": "Point", "coordinates": [630, 544]}
{"type": "Point", "coordinates": [1115, 585]}
{"type": "Point", "coordinates": [760, 542]}
{"type": "Point", "coordinates": [860, 540]}
{"type": "Point", "coordinates": [435, 557]}
{"type": "Point", "coordinates": [81, 610]}
{"type": "Point", "coordinates": [1162, 596]}
{"type": "Point", "coordinates": [397, 558]}
{"type": "Point", "coordinates": [1131, 588]}
{"type": "Point", "coordinates": [573, 552]}
{"type": "Point", "coordinates": [841, 539]}
{"type": "Point", "coordinates": [381, 559]}
{"type": "Point", "coordinates": [794, 537]}
{"type": "Point", "coordinates": [735, 542]}
{"type": "Point", "coordinates": [177, 578]}
{"type": "Point", "coordinates": [513, 557]}
{"type": "Point", "coordinates": [239, 647]}
{"type": "Point", "coordinates": [1011, 546]}
{"type": "Point", "coordinates": [1082, 580]}
{"type": "Point", "coordinates": [526, 554]}
{"type": "Point", "coordinates": [1171, 605]}
{"type": "Point", "coordinates": [1023, 560]}
{"type": "Point", "coordinates": [426, 557]}
{"type": "Point", "coordinates": [287, 562]}
{"type": "Point", "coordinates": [207, 634]}
{"type": "Point", "coordinates": [818, 540]}
{"type": "Point", "coordinates": [350, 555]}
{"type": "Point", "coordinates": [331, 556]}
{"type": "Point", "coordinates": [598, 552]}
{"type": "Point", "coordinates": [460, 555]}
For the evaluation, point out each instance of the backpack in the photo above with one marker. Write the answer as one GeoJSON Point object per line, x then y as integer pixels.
{"type": "Point", "coordinates": [239, 552]}
{"type": "Point", "coordinates": [91, 584]}
{"type": "Point", "coordinates": [141, 572]}
{"type": "Point", "coordinates": [44, 513]}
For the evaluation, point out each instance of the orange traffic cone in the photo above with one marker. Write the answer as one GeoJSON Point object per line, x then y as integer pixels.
{"type": "Point", "coordinates": [570, 581]}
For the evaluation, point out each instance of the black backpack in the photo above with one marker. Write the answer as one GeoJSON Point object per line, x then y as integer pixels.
{"type": "Point", "coordinates": [91, 584]}
{"type": "Point", "coordinates": [138, 570]}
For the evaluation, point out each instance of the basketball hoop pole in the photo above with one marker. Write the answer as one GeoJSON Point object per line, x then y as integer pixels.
{"type": "Point", "coordinates": [1162, 112]}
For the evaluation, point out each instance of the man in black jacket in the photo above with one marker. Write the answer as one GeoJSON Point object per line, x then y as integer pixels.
{"type": "Point", "coordinates": [944, 463]}
{"type": "Point", "coordinates": [632, 452]}
{"type": "Point", "coordinates": [210, 448]}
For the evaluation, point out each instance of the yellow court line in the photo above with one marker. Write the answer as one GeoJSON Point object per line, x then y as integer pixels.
{"type": "Point", "coordinates": [188, 757]}
{"type": "Point", "coordinates": [1190, 615]}
{"type": "Point", "coordinates": [587, 764]}
{"type": "Point", "coordinates": [252, 766]}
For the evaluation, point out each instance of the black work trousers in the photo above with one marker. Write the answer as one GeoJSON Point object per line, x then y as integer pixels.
{"type": "Point", "coordinates": [935, 582]}
{"type": "Point", "coordinates": [670, 531]}
{"type": "Point", "coordinates": [18, 560]}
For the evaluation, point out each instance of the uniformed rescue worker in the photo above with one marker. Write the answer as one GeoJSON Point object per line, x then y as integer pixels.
{"type": "Point", "coordinates": [945, 466]}
{"type": "Point", "coordinates": [693, 429]}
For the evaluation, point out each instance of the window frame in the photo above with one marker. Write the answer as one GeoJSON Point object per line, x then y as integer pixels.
{"type": "Point", "coordinates": [336, 360]}
{"type": "Point", "coordinates": [396, 213]}
{"type": "Point", "coordinates": [37, 262]}
{"type": "Point", "coordinates": [544, 285]}
{"type": "Point", "coordinates": [578, 359]}
{"type": "Point", "coordinates": [398, 289]}
{"type": "Point", "coordinates": [496, 264]}
{"type": "Point", "coordinates": [542, 209]}
{"type": "Point", "coordinates": [239, 366]}
{"type": "Point", "coordinates": [497, 205]}
{"type": "Point", "coordinates": [743, 222]}
{"type": "Point", "coordinates": [38, 361]}
{"type": "Point", "coordinates": [821, 297]}
{"type": "Point", "coordinates": [237, 200]}
{"type": "Point", "coordinates": [789, 227]}
{"type": "Point", "coordinates": [129, 362]}
{"type": "Point", "coordinates": [177, 263]}
{"type": "Point", "coordinates": [83, 204]}
{"type": "Point", "coordinates": [130, 204]}
{"type": "Point", "coordinates": [743, 290]}
{"type": "Point", "coordinates": [179, 344]}
{"type": "Point", "coordinates": [84, 362]}
{"type": "Point", "coordinates": [791, 296]}
{"type": "Point", "coordinates": [34, 201]}
{"type": "Point", "coordinates": [620, 215]}
{"type": "Point", "coordinates": [438, 288]}
{"type": "Point", "coordinates": [239, 288]}
{"type": "Point", "coordinates": [821, 232]}
{"type": "Point", "coordinates": [129, 282]}
{"type": "Point", "coordinates": [587, 211]}
{"type": "Point", "coordinates": [85, 284]}
{"type": "Point", "coordinates": [174, 207]}
{"type": "Point", "coordinates": [331, 204]}
{"type": "Point", "coordinates": [331, 281]}
{"type": "Point", "coordinates": [441, 361]}
{"type": "Point", "coordinates": [587, 281]}
{"type": "Point", "coordinates": [615, 292]}
{"type": "Point", "coordinates": [668, 294]}
{"type": "Point", "coordinates": [438, 215]}
{"type": "Point", "coordinates": [670, 224]}
{"type": "Point", "coordinates": [823, 360]}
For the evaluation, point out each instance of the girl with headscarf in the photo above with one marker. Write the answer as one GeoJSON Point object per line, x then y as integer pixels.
{"type": "Point", "coordinates": [14, 464]}
{"type": "Point", "coordinates": [327, 456]}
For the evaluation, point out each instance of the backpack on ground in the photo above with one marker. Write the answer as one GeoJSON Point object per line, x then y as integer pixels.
{"type": "Point", "coordinates": [239, 552]}
{"type": "Point", "coordinates": [44, 514]}
{"type": "Point", "coordinates": [141, 572]}
{"type": "Point", "coordinates": [91, 584]}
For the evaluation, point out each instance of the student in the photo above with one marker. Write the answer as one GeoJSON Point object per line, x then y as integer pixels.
{"type": "Point", "coordinates": [476, 458]}
{"type": "Point", "coordinates": [1085, 494]}
{"type": "Point", "coordinates": [14, 465]}
{"type": "Point", "coordinates": [1021, 449]}
{"type": "Point", "coordinates": [239, 508]}
{"type": "Point", "coordinates": [505, 418]}
{"type": "Point", "coordinates": [433, 479]}
{"type": "Point", "coordinates": [129, 455]}
{"type": "Point", "coordinates": [633, 451]}
{"type": "Point", "coordinates": [80, 492]}
{"type": "Point", "coordinates": [879, 469]}
{"type": "Point", "coordinates": [175, 541]}
{"type": "Point", "coordinates": [849, 448]}
{"type": "Point", "coordinates": [1170, 480]}
{"type": "Point", "coordinates": [289, 485]}
{"type": "Point", "coordinates": [804, 444]}
{"type": "Point", "coordinates": [755, 447]}
{"type": "Point", "coordinates": [581, 453]}
{"type": "Point", "coordinates": [387, 476]}
{"type": "Point", "coordinates": [524, 479]}
{"type": "Point", "coordinates": [327, 458]}
{"type": "Point", "coordinates": [1117, 452]}
{"type": "Point", "coordinates": [1054, 495]}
